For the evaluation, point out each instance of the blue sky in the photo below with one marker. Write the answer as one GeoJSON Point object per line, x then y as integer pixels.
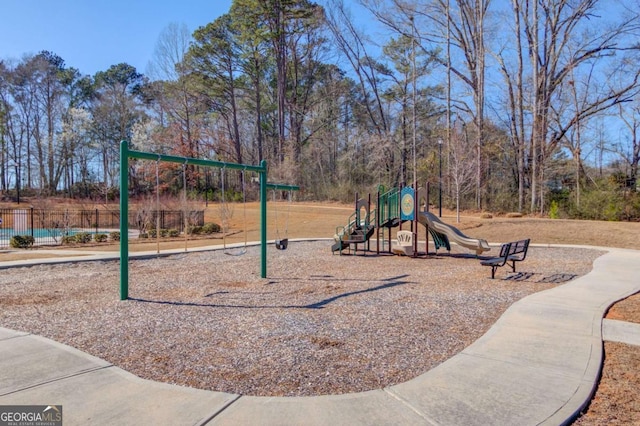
{"type": "Point", "coordinates": [92, 35]}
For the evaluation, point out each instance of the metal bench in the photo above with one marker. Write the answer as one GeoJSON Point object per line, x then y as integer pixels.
{"type": "Point", "coordinates": [496, 262]}
{"type": "Point", "coordinates": [513, 252]}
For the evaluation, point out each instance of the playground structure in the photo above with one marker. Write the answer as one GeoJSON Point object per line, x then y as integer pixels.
{"type": "Point", "coordinates": [126, 154]}
{"type": "Point", "coordinates": [395, 207]}
{"type": "Point", "coordinates": [359, 228]}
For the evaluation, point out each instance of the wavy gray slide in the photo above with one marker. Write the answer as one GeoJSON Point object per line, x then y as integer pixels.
{"type": "Point", "coordinates": [453, 233]}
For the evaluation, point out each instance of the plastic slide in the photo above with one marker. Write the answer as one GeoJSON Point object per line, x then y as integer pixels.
{"type": "Point", "coordinates": [453, 233]}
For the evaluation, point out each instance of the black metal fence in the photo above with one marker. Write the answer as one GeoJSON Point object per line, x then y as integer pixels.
{"type": "Point", "coordinates": [144, 220]}
{"type": "Point", "coordinates": [49, 227]}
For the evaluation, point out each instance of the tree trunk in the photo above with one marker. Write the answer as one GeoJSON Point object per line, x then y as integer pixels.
{"type": "Point", "coordinates": [535, 130]}
{"type": "Point", "coordinates": [258, 94]}
{"type": "Point", "coordinates": [479, 11]}
{"type": "Point", "coordinates": [281, 58]}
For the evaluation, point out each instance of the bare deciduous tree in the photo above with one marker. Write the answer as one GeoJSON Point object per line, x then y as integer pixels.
{"type": "Point", "coordinates": [168, 55]}
{"type": "Point", "coordinates": [462, 164]}
{"type": "Point", "coordinates": [631, 155]}
{"type": "Point", "coordinates": [562, 37]}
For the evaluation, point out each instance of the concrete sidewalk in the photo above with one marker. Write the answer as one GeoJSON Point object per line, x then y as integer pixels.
{"type": "Point", "coordinates": [539, 364]}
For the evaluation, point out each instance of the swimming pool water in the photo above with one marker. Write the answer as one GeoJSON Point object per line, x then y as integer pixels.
{"type": "Point", "coordinates": [39, 232]}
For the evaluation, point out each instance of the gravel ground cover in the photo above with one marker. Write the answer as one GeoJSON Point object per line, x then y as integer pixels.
{"type": "Point", "coordinates": [320, 324]}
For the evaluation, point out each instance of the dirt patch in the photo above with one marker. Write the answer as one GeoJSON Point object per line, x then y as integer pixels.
{"type": "Point", "coordinates": [617, 400]}
{"type": "Point", "coordinates": [29, 300]}
{"type": "Point", "coordinates": [626, 310]}
{"type": "Point", "coordinates": [8, 256]}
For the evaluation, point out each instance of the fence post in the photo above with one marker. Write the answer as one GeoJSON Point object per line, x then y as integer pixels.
{"type": "Point", "coordinates": [97, 220]}
{"type": "Point", "coordinates": [31, 227]}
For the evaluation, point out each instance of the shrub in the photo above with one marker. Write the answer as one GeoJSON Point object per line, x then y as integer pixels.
{"type": "Point", "coordinates": [100, 238]}
{"type": "Point", "coordinates": [605, 201]}
{"type": "Point", "coordinates": [233, 196]}
{"type": "Point", "coordinates": [486, 215]}
{"type": "Point", "coordinates": [173, 232]}
{"type": "Point", "coordinates": [554, 210]}
{"type": "Point", "coordinates": [194, 230]}
{"type": "Point", "coordinates": [143, 235]}
{"type": "Point", "coordinates": [83, 237]}
{"type": "Point", "coordinates": [632, 208]}
{"type": "Point", "coordinates": [68, 239]}
{"type": "Point", "coordinates": [114, 236]}
{"type": "Point", "coordinates": [600, 204]}
{"type": "Point", "coordinates": [210, 228]}
{"type": "Point", "coordinates": [22, 241]}
{"type": "Point", "coordinates": [153, 233]}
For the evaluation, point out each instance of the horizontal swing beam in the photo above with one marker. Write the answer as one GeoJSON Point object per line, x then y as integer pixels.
{"type": "Point", "coordinates": [197, 161]}
{"type": "Point", "coordinates": [282, 187]}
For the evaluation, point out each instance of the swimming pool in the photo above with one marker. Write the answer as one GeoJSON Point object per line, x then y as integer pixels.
{"type": "Point", "coordinates": [38, 232]}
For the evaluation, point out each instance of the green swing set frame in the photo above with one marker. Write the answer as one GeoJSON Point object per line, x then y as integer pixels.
{"type": "Point", "coordinates": [126, 154]}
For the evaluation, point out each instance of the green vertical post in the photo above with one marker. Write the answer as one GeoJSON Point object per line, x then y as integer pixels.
{"type": "Point", "coordinates": [263, 219]}
{"type": "Point", "coordinates": [124, 220]}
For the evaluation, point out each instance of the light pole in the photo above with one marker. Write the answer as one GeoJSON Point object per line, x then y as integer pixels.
{"type": "Point", "coordinates": [413, 107]}
{"type": "Point", "coordinates": [440, 180]}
